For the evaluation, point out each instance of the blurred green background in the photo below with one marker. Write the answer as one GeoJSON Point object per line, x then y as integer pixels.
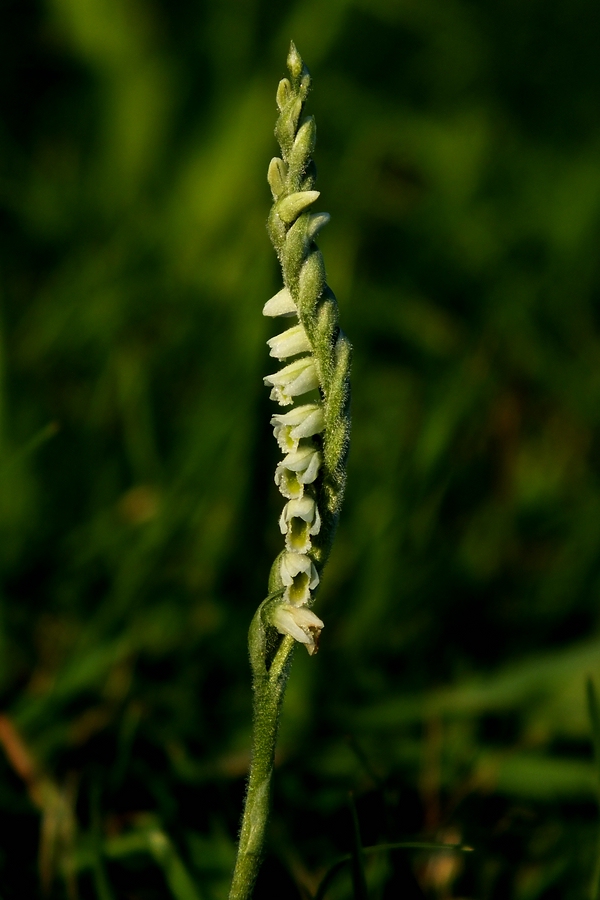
{"type": "Point", "coordinates": [459, 156]}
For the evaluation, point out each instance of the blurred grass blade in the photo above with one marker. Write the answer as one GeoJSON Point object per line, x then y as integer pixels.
{"type": "Point", "coordinates": [329, 876]}
{"type": "Point", "coordinates": [339, 864]}
{"type": "Point", "coordinates": [594, 713]}
{"type": "Point", "coordinates": [28, 448]}
{"type": "Point", "coordinates": [176, 875]}
{"type": "Point", "coordinates": [101, 882]}
{"type": "Point", "coordinates": [359, 878]}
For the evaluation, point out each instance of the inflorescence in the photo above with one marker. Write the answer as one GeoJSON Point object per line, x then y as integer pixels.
{"type": "Point", "coordinates": [313, 435]}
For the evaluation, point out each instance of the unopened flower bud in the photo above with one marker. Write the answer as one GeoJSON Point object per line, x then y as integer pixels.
{"type": "Point", "coordinates": [281, 304]}
{"type": "Point", "coordinates": [284, 93]}
{"type": "Point", "coordinates": [289, 343]}
{"type": "Point", "coordinates": [293, 205]}
{"type": "Point", "coordinates": [294, 61]}
{"type": "Point", "coordinates": [276, 177]}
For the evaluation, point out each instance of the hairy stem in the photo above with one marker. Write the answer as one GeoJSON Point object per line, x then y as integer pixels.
{"type": "Point", "coordinates": [269, 689]}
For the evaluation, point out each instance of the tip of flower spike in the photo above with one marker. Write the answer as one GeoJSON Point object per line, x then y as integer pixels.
{"type": "Point", "coordinates": [294, 61]}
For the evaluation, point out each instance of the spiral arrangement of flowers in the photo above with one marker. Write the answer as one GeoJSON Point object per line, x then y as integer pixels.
{"type": "Point", "coordinates": [314, 381]}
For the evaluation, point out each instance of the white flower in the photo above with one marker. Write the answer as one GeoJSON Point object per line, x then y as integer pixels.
{"type": "Point", "coordinates": [281, 304]}
{"type": "Point", "coordinates": [289, 343]}
{"type": "Point", "coordinates": [298, 468]}
{"type": "Point", "coordinates": [297, 378]}
{"type": "Point", "coordinates": [301, 422]}
{"type": "Point", "coordinates": [299, 577]}
{"type": "Point", "coordinates": [299, 520]}
{"type": "Point", "coordinates": [300, 623]}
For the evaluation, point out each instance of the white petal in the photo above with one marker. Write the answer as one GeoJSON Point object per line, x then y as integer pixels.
{"type": "Point", "coordinates": [301, 422]}
{"type": "Point", "coordinates": [284, 622]}
{"type": "Point", "coordinates": [299, 460]}
{"type": "Point", "coordinates": [289, 343]}
{"type": "Point", "coordinates": [292, 564]}
{"type": "Point", "coordinates": [281, 304]}
{"type": "Point", "coordinates": [299, 576]}
{"type": "Point", "coordinates": [312, 469]}
{"type": "Point", "coordinates": [316, 525]}
{"type": "Point", "coordinates": [301, 623]}
{"type": "Point", "coordinates": [298, 468]}
{"type": "Point", "coordinates": [297, 378]}
{"type": "Point", "coordinates": [304, 508]}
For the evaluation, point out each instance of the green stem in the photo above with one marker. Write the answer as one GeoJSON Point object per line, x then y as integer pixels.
{"type": "Point", "coordinates": [269, 689]}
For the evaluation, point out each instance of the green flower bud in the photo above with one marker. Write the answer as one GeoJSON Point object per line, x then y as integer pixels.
{"type": "Point", "coordinates": [284, 93]}
{"type": "Point", "coordinates": [299, 155]}
{"type": "Point", "coordinates": [276, 176]}
{"type": "Point", "coordinates": [294, 62]}
{"type": "Point", "coordinates": [291, 206]}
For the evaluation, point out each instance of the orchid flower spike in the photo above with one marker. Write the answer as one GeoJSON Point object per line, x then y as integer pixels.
{"type": "Point", "coordinates": [313, 437]}
{"type": "Point", "coordinates": [313, 379]}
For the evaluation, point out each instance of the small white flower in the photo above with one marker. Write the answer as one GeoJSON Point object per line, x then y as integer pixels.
{"type": "Point", "coordinates": [299, 577]}
{"type": "Point", "coordinates": [289, 343]}
{"type": "Point", "coordinates": [298, 468]}
{"type": "Point", "coordinates": [301, 422]}
{"type": "Point", "coordinates": [293, 380]}
{"type": "Point", "coordinates": [305, 461]}
{"type": "Point", "coordinates": [281, 304]}
{"type": "Point", "coordinates": [299, 520]}
{"type": "Point", "coordinates": [302, 624]}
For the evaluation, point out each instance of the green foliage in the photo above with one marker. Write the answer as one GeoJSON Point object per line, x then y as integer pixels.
{"type": "Point", "coordinates": [458, 156]}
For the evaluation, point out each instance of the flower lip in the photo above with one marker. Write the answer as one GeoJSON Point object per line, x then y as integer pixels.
{"type": "Point", "coordinates": [288, 483]}
{"type": "Point", "coordinates": [304, 508]}
{"type": "Point", "coordinates": [300, 520]}
{"type": "Point", "coordinates": [293, 564]}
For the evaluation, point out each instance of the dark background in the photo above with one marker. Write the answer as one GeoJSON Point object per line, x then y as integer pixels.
{"type": "Point", "coordinates": [459, 156]}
